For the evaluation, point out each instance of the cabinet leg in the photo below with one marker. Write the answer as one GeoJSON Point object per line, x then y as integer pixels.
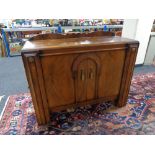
{"type": "Point", "coordinates": [121, 102]}
{"type": "Point", "coordinates": [44, 120]}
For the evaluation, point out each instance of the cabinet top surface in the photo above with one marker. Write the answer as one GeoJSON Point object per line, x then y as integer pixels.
{"type": "Point", "coordinates": [74, 42]}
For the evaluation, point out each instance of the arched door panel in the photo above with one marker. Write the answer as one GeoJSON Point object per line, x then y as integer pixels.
{"type": "Point", "coordinates": [85, 70]}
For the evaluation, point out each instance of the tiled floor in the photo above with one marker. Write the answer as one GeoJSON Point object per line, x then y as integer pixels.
{"type": "Point", "coordinates": [13, 79]}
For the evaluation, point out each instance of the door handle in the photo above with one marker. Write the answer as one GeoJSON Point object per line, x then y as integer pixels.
{"type": "Point", "coordinates": [82, 75]}
{"type": "Point", "coordinates": [90, 74]}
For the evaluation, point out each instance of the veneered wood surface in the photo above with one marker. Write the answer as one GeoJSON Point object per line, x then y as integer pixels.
{"type": "Point", "coordinates": [74, 42]}
{"type": "Point", "coordinates": [58, 79]}
{"type": "Point", "coordinates": [92, 80]}
{"type": "Point", "coordinates": [70, 35]}
{"type": "Point", "coordinates": [111, 72]}
{"type": "Point", "coordinates": [78, 71]}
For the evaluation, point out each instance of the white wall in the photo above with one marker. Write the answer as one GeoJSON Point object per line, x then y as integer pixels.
{"type": "Point", "coordinates": [150, 51]}
{"type": "Point", "coordinates": [129, 28]}
{"type": "Point", "coordinates": [140, 30]}
{"type": "Point", "coordinates": [142, 35]}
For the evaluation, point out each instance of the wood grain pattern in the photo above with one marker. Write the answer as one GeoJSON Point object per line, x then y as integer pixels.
{"type": "Point", "coordinates": [32, 89]}
{"type": "Point", "coordinates": [111, 72]}
{"type": "Point", "coordinates": [59, 84]}
{"type": "Point", "coordinates": [74, 70]}
{"type": "Point", "coordinates": [31, 63]}
{"type": "Point", "coordinates": [85, 72]}
{"type": "Point", "coordinates": [129, 63]}
{"type": "Point", "coordinates": [70, 35]}
{"type": "Point", "coordinates": [80, 42]}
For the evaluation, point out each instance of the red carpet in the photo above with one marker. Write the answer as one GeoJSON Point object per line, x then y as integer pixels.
{"type": "Point", "coordinates": [137, 117]}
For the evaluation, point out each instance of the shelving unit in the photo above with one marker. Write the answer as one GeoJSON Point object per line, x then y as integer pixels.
{"type": "Point", "coordinates": [14, 38]}
{"type": "Point", "coordinates": [63, 27]}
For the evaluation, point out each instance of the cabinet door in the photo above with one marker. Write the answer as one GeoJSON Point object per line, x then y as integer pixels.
{"type": "Point", "coordinates": [86, 70]}
{"type": "Point", "coordinates": [58, 80]}
{"type": "Point", "coordinates": [111, 72]}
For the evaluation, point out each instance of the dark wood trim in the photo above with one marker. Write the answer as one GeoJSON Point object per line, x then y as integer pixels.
{"type": "Point", "coordinates": [129, 64]}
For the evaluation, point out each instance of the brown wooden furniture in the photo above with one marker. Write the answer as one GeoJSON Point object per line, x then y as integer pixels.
{"type": "Point", "coordinates": [72, 70]}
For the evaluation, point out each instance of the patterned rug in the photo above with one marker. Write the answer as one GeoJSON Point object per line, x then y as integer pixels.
{"type": "Point", "coordinates": [137, 117]}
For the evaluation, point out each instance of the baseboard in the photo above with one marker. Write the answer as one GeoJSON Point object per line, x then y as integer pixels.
{"type": "Point", "coordinates": [139, 65]}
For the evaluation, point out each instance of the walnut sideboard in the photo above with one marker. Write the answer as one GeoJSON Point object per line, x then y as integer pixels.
{"type": "Point", "coordinates": [69, 70]}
